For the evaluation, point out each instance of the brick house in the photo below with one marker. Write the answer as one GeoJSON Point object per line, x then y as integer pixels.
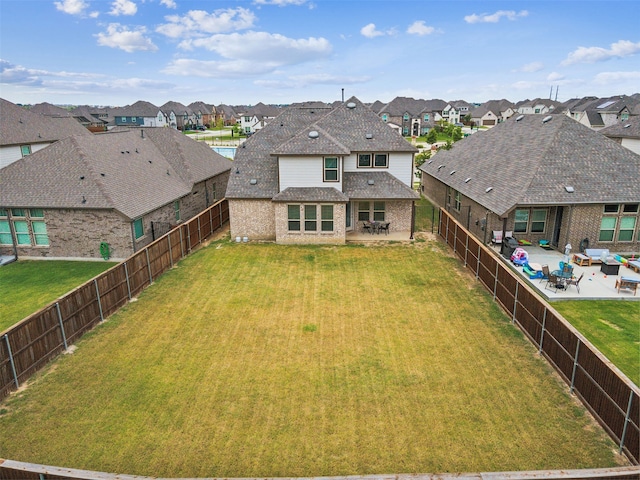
{"type": "Point", "coordinates": [316, 172]}
{"type": "Point", "coordinates": [545, 178]}
{"type": "Point", "coordinates": [119, 188]}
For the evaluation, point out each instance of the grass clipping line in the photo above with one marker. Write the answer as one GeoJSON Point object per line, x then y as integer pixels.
{"type": "Point", "coordinates": [263, 360]}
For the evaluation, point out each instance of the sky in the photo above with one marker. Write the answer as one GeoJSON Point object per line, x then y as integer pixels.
{"type": "Point", "coordinates": [236, 52]}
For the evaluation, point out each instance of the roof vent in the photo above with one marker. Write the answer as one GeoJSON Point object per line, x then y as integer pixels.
{"type": "Point", "coordinates": [452, 172]}
{"type": "Point", "coordinates": [467, 180]}
{"type": "Point", "coordinates": [569, 188]}
{"type": "Point", "coordinates": [547, 119]}
{"type": "Point", "coordinates": [369, 136]}
{"type": "Point", "coordinates": [488, 189]}
{"type": "Point", "coordinates": [429, 162]}
{"type": "Point", "coordinates": [313, 134]}
{"type": "Point", "coordinates": [626, 125]}
{"type": "Point", "coordinates": [351, 105]}
{"type": "Point", "coordinates": [440, 167]}
{"type": "Point", "coordinates": [84, 200]}
{"type": "Point", "coordinates": [371, 182]}
{"type": "Point", "coordinates": [253, 181]}
{"type": "Point", "coordinates": [82, 177]}
{"type": "Point", "coordinates": [520, 117]}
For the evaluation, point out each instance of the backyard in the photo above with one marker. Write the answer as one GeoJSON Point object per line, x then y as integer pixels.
{"type": "Point", "coordinates": [265, 360]}
{"type": "Point", "coordinates": [26, 286]}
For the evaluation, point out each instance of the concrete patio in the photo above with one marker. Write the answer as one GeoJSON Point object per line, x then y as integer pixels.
{"type": "Point", "coordinates": [595, 285]}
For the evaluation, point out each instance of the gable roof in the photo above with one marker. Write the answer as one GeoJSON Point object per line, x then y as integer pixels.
{"type": "Point", "coordinates": [530, 161]}
{"type": "Point", "coordinates": [627, 129]}
{"type": "Point", "coordinates": [20, 126]}
{"type": "Point", "coordinates": [126, 170]}
{"type": "Point", "coordinates": [50, 110]}
{"type": "Point", "coordinates": [341, 130]}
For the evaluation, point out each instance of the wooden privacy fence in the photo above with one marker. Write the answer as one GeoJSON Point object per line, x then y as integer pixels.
{"type": "Point", "coordinates": [608, 394]}
{"type": "Point", "coordinates": [29, 345]}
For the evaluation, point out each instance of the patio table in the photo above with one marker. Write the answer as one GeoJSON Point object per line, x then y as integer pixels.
{"type": "Point", "coordinates": [563, 275]}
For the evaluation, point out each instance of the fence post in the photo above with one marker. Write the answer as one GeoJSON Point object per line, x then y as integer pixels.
{"type": "Point", "coordinates": [544, 323]}
{"type": "Point", "coordinates": [64, 335]}
{"type": "Point", "coordinates": [466, 249]}
{"type": "Point", "coordinates": [170, 253]}
{"type": "Point", "coordinates": [575, 367]}
{"type": "Point", "coordinates": [210, 222]}
{"type": "Point", "coordinates": [188, 238]}
{"type": "Point", "coordinates": [515, 304]}
{"type": "Point", "coordinates": [181, 243]}
{"type": "Point", "coordinates": [495, 282]}
{"type": "Point", "coordinates": [199, 232]}
{"type": "Point", "coordinates": [95, 281]}
{"type": "Point", "coordinates": [13, 365]}
{"type": "Point", "coordinates": [149, 266]}
{"type": "Point", "coordinates": [455, 239]}
{"type": "Point", "coordinates": [220, 213]}
{"type": "Point", "coordinates": [478, 262]}
{"type": "Point", "coordinates": [126, 275]}
{"type": "Point", "coordinates": [626, 421]}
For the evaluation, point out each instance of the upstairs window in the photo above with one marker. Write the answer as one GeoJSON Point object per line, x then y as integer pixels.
{"type": "Point", "coordinates": [364, 160]}
{"type": "Point", "coordinates": [25, 150]}
{"type": "Point", "coordinates": [331, 169]}
{"type": "Point", "coordinates": [426, 117]}
{"type": "Point", "coordinates": [380, 160]}
{"type": "Point", "coordinates": [385, 117]}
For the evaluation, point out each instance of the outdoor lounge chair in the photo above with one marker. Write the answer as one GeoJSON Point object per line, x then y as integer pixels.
{"type": "Point", "coordinates": [545, 273]}
{"type": "Point", "coordinates": [496, 236]}
{"type": "Point", "coordinates": [575, 282]}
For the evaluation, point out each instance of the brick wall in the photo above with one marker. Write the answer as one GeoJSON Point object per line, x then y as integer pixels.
{"type": "Point", "coordinates": [254, 219]}
{"type": "Point", "coordinates": [284, 236]}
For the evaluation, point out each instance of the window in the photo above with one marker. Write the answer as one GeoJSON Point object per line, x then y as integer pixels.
{"type": "Point", "coordinates": [627, 227]}
{"type": "Point", "coordinates": [18, 212]}
{"type": "Point", "coordinates": [449, 195]}
{"type": "Point", "coordinates": [426, 117]}
{"type": "Point", "coordinates": [36, 213]}
{"type": "Point", "coordinates": [25, 150]}
{"type": "Point", "coordinates": [124, 119]}
{"type": "Point", "coordinates": [405, 116]}
{"type": "Point", "coordinates": [611, 208]}
{"type": "Point", "coordinates": [607, 228]}
{"type": "Point", "coordinates": [293, 213]}
{"type": "Point", "coordinates": [176, 210]}
{"type": "Point", "coordinates": [331, 169]}
{"type": "Point", "coordinates": [364, 160]}
{"type": "Point", "coordinates": [378, 211]}
{"type": "Point", "coordinates": [40, 236]}
{"type": "Point", "coordinates": [538, 221]}
{"type": "Point", "coordinates": [380, 160]}
{"type": "Point", "coordinates": [630, 208]}
{"type": "Point", "coordinates": [247, 119]}
{"type": "Point", "coordinates": [385, 117]}
{"type": "Point", "coordinates": [22, 232]}
{"type": "Point", "coordinates": [456, 205]}
{"type": "Point", "coordinates": [310, 218]}
{"type": "Point", "coordinates": [405, 131]}
{"type": "Point", "coordinates": [624, 117]}
{"type": "Point", "coordinates": [363, 211]}
{"type": "Point", "coordinates": [521, 221]}
{"type": "Point", "coordinates": [5, 232]}
{"type": "Point", "coordinates": [138, 228]}
{"type": "Point", "coordinates": [326, 212]}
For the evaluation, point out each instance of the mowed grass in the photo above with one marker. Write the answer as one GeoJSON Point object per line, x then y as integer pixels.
{"type": "Point", "coordinates": [252, 360]}
{"type": "Point", "coordinates": [27, 286]}
{"type": "Point", "coordinates": [613, 326]}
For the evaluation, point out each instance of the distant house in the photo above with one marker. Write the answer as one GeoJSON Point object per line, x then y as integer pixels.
{"type": "Point", "coordinates": [316, 172]}
{"type": "Point", "coordinates": [626, 133]}
{"type": "Point", "coordinates": [598, 113]}
{"type": "Point", "coordinates": [179, 116]}
{"type": "Point", "coordinates": [545, 178]}
{"type": "Point", "coordinates": [538, 106]}
{"type": "Point", "coordinates": [491, 113]}
{"type": "Point", "coordinates": [227, 113]}
{"type": "Point", "coordinates": [255, 118]}
{"type": "Point", "coordinates": [411, 117]}
{"type": "Point", "coordinates": [455, 111]}
{"type": "Point", "coordinates": [140, 114]}
{"type": "Point", "coordinates": [23, 132]}
{"type": "Point", "coordinates": [122, 188]}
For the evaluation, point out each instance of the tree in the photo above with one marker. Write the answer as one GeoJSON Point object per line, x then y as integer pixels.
{"type": "Point", "coordinates": [432, 136]}
{"type": "Point", "coordinates": [420, 159]}
{"type": "Point", "coordinates": [457, 134]}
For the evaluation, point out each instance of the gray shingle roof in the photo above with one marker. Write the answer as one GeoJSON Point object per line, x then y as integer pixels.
{"type": "Point", "coordinates": [311, 194]}
{"type": "Point", "coordinates": [123, 170]}
{"type": "Point", "coordinates": [20, 126]}
{"type": "Point", "coordinates": [341, 130]}
{"type": "Point", "coordinates": [529, 162]}
{"type": "Point", "coordinates": [379, 185]}
{"type": "Point", "coordinates": [627, 129]}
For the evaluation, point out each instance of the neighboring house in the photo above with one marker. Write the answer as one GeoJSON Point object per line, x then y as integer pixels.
{"type": "Point", "coordinates": [598, 113]}
{"type": "Point", "coordinates": [255, 118]}
{"type": "Point", "coordinates": [227, 113]}
{"type": "Point", "coordinates": [538, 106]}
{"type": "Point", "coordinates": [140, 114]}
{"type": "Point", "coordinates": [49, 110]}
{"type": "Point", "coordinates": [626, 134]}
{"type": "Point", "coordinates": [545, 178]}
{"type": "Point", "coordinates": [179, 116]}
{"type": "Point", "coordinates": [406, 115]}
{"type": "Point", "coordinates": [120, 188]}
{"type": "Point", "coordinates": [492, 112]}
{"type": "Point", "coordinates": [87, 119]}
{"type": "Point", "coordinates": [205, 114]}
{"type": "Point", "coordinates": [455, 111]}
{"type": "Point", "coordinates": [316, 172]}
{"type": "Point", "coordinates": [23, 132]}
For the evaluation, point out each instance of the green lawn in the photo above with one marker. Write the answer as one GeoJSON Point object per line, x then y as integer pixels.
{"type": "Point", "coordinates": [613, 326]}
{"type": "Point", "coordinates": [260, 360]}
{"type": "Point", "coordinates": [26, 286]}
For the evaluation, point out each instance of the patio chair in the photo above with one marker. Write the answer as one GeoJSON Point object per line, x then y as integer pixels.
{"type": "Point", "coordinates": [366, 227]}
{"type": "Point", "coordinates": [384, 227]}
{"type": "Point", "coordinates": [575, 282]}
{"type": "Point", "coordinates": [553, 281]}
{"type": "Point", "coordinates": [545, 273]}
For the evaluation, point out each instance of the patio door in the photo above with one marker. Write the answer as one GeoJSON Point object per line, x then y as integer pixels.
{"type": "Point", "coordinates": [348, 216]}
{"type": "Point", "coordinates": [557, 226]}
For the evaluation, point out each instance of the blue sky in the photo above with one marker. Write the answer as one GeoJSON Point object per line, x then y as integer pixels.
{"type": "Point", "coordinates": [115, 52]}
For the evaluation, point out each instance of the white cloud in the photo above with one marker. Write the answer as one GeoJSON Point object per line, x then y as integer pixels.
{"type": "Point", "coordinates": [123, 7]}
{"type": "Point", "coordinates": [532, 67]}
{"type": "Point", "coordinates": [198, 22]}
{"type": "Point", "coordinates": [301, 81]}
{"type": "Point", "coordinates": [118, 36]}
{"type": "Point", "coordinates": [370, 31]}
{"type": "Point", "coordinates": [217, 69]}
{"type": "Point", "coordinates": [280, 3]}
{"type": "Point", "coordinates": [72, 7]}
{"type": "Point", "coordinates": [555, 76]}
{"type": "Point", "coordinates": [419, 28]}
{"type": "Point", "coordinates": [169, 3]}
{"type": "Point", "coordinates": [605, 78]}
{"type": "Point", "coordinates": [620, 49]}
{"type": "Point", "coordinates": [17, 74]}
{"type": "Point", "coordinates": [495, 17]}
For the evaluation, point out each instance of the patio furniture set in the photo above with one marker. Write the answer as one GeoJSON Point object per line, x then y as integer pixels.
{"type": "Point", "coordinates": [562, 278]}
{"type": "Point", "coordinates": [376, 227]}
